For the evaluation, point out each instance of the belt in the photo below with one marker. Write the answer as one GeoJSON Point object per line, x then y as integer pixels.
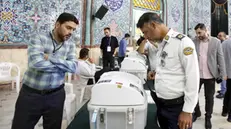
{"type": "Point", "coordinates": [43, 92]}
{"type": "Point", "coordinates": [175, 101]}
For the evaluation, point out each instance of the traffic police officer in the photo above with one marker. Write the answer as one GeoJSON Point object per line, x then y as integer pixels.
{"type": "Point", "coordinates": [176, 75]}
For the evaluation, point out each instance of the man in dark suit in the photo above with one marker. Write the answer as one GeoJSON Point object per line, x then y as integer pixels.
{"type": "Point", "coordinates": [211, 65]}
{"type": "Point", "coordinates": [108, 47]}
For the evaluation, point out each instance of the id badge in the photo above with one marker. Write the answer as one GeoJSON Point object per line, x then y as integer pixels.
{"type": "Point", "coordinates": [109, 49]}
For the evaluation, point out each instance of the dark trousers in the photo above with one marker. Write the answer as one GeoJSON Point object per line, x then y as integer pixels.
{"type": "Point", "coordinates": [227, 98]}
{"type": "Point", "coordinates": [209, 91]}
{"type": "Point", "coordinates": [108, 61]}
{"type": "Point", "coordinates": [120, 60]}
{"type": "Point", "coordinates": [97, 75]}
{"type": "Point", "coordinates": [167, 113]}
{"type": "Point", "coordinates": [31, 106]}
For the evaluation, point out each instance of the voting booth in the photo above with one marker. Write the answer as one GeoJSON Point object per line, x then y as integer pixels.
{"type": "Point", "coordinates": [135, 64]}
{"type": "Point", "coordinates": [118, 101]}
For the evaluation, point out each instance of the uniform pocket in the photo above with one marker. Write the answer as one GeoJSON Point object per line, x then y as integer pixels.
{"type": "Point", "coordinates": [171, 60]}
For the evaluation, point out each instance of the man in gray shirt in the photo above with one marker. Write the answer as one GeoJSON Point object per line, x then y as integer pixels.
{"type": "Point", "coordinates": [226, 45]}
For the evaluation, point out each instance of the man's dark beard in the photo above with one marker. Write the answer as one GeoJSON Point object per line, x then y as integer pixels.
{"type": "Point", "coordinates": [202, 38]}
{"type": "Point", "coordinates": [61, 38]}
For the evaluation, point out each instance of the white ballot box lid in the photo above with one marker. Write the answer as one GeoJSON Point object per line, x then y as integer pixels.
{"type": "Point", "coordinates": [118, 88]}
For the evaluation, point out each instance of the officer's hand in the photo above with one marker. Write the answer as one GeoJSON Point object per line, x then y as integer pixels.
{"type": "Point", "coordinates": [151, 75]}
{"type": "Point", "coordinates": [185, 120]}
{"type": "Point", "coordinates": [46, 56]}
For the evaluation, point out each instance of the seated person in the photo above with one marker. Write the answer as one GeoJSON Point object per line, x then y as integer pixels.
{"type": "Point", "coordinates": [87, 68]}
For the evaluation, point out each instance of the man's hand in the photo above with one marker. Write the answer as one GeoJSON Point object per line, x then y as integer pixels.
{"type": "Point", "coordinates": [91, 60]}
{"type": "Point", "coordinates": [185, 120]}
{"type": "Point", "coordinates": [151, 75]}
{"type": "Point", "coordinates": [46, 56]}
{"type": "Point", "coordinates": [225, 78]}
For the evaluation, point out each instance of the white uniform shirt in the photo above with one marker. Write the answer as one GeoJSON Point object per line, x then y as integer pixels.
{"type": "Point", "coordinates": [152, 50]}
{"type": "Point", "coordinates": [178, 73]}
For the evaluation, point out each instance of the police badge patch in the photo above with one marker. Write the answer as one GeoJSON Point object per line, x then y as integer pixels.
{"type": "Point", "coordinates": [188, 51]}
{"type": "Point", "coordinates": [180, 36]}
{"type": "Point", "coordinates": [166, 37]}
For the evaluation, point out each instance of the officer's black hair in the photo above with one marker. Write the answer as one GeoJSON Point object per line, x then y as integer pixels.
{"type": "Point", "coordinates": [149, 17]}
{"type": "Point", "coordinates": [139, 41]}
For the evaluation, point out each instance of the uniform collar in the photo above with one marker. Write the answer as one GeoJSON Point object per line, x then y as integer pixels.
{"type": "Point", "coordinates": [168, 35]}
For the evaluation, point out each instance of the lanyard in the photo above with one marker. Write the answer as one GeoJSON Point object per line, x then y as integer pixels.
{"type": "Point", "coordinates": [53, 42]}
{"type": "Point", "coordinates": [109, 42]}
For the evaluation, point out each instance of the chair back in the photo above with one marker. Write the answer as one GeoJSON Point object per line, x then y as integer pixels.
{"type": "Point", "coordinates": [5, 69]}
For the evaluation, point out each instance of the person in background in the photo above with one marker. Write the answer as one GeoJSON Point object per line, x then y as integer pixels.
{"type": "Point", "coordinates": [221, 92]}
{"type": "Point", "coordinates": [87, 68]}
{"type": "Point", "coordinates": [108, 47]}
{"type": "Point", "coordinates": [226, 110]}
{"type": "Point", "coordinates": [212, 69]}
{"type": "Point", "coordinates": [176, 74]}
{"type": "Point", "coordinates": [123, 48]}
{"type": "Point", "coordinates": [222, 36]}
{"type": "Point", "coordinates": [50, 56]}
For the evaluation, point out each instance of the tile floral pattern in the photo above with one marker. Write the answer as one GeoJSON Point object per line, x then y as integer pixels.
{"type": "Point", "coordinates": [175, 17]}
{"type": "Point", "coordinates": [20, 18]}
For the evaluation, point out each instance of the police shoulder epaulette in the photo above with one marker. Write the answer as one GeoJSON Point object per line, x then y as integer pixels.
{"type": "Point", "coordinates": [180, 36]}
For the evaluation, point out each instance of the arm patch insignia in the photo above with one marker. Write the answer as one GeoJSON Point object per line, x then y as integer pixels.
{"type": "Point", "coordinates": [188, 51]}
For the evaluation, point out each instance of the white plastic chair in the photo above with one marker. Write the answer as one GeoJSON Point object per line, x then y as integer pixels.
{"type": "Point", "coordinates": [69, 76]}
{"type": "Point", "coordinates": [70, 103]}
{"type": "Point", "coordinates": [5, 74]}
{"type": "Point", "coordinates": [84, 86]}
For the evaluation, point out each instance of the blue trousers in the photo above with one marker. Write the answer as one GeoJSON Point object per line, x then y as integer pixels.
{"type": "Point", "coordinates": [223, 87]}
{"type": "Point", "coordinates": [31, 106]}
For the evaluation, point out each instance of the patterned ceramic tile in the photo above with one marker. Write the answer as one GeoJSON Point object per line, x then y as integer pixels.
{"type": "Point", "coordinates": [175, 15]}
{"type": "Point", "coordinates": [117, 18]}
{"type": "Point", "coordinates": [18, 19]}
{"type": "Point", "coordinates": [199, 12]}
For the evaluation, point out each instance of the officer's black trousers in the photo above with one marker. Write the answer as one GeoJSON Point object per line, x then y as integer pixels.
{"type": "Point", "coordinates": [167, 114]}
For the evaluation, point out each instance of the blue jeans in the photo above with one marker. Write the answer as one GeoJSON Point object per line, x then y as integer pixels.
{"type": "Point", "coordinates": [223, 87]}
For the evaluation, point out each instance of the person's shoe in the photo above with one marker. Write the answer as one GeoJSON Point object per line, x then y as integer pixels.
{"type": "Point", "coordinates": [220, 96]}
{"type": "Point", "coordinates": [224, 112]}
{"type": "Point", "coordinates": [219, 91]}
{"type": "Point", "coordinates": [208, 124]}
{"type": "Point", "coordinates": [195, 116]}
{"type": "Point", "coordinates": [229, 118]}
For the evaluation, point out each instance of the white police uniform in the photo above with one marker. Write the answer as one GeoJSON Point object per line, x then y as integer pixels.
{"type": "Point", "coordinates": [152, 51]}
{"type": "Point", "coordinates": [177, 71]}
